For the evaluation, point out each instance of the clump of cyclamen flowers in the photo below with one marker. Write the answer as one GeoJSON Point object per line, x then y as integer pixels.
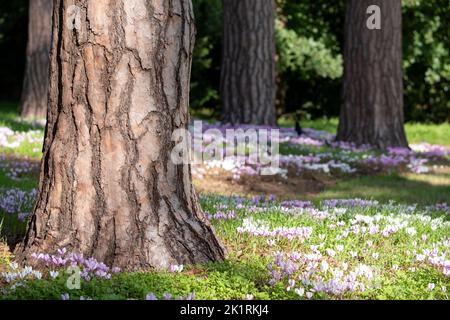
{"type": "Point", "coordinates": [444, 207]}
{"type": "Point", "coordinates": [150, 297]}
{"type": "Point", "coordinates": [176, 268]}
{"type": "Point", "coordinates": [436, 258]}
{"type": "Point", "coordinates": [16, 200]}
{"type": "Point", "coordinates": [347, 157]}
{"type": "Point", "coordinates": [16, 169]}
{"type": "Point", "coordinates": [312, 274]}
{"type": "Point", "coordinates": [398, 159]}
{"type": "Point", "coordinates": [312, 212]}
{"type": "Point", "coordinates": [220, 215]}
{"type": "Point", "coordinates": [296, 204]}
{"type": "Point", "coordinates": [258, 228]}
{"type": "Point", "coordinates": [89, 267]}
{"type": "Point", "coordinates": [349, 203]}
{"type": "Point", "coordinates": [431, 151]}
{"type": "Point", "coordinates": [13, 139]}
{"type": "Point", "coordinates": [18, 274]}
{"type": "Point", "coordinates": [167, 296]}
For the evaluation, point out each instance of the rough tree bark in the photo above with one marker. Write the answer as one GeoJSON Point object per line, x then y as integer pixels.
{"type": "Point", "coordinates": [248, 62]}
{"type": "Point", "coordinates": [35, 83]}
{"type": "Point", "coordinates": [372, 110]}
{"type": "Point", "coordinates": [119, 87]}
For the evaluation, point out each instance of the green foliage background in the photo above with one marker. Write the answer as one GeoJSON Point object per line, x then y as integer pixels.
{"type": "Point", "coordinates": [13, 40]}
{"type": "Point", "coordinates": [310, 63]}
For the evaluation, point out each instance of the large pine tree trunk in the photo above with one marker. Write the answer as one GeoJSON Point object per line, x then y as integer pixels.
{"type": "Point", "coordinates": [119, 87]}
{"type": "Point", "coordinates": [35, 84]}
{"type": "Point", "coordinates": [248, 62]}
{"type": "Point", "coordinates": [372, 110]}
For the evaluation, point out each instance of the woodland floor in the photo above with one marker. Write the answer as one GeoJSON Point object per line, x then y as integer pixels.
{"type": "Point", "coordinates": [341, 223]}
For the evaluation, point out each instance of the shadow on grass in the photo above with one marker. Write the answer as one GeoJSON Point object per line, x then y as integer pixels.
{"type": "Point", "coordinates": [401, 188]}
{"type": "Point", "coordinates": [12, 230]}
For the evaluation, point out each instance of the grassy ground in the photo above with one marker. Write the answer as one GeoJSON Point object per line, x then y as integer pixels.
{"type": "Point", "coordinates": [31, 131]}
{"type": "Point", "coordinates": [416, 132]}
{"type": "Point", "coordinates": [397, 271]}
{"type": "Point", "coordinates": [9, 118]}
{"type": "Point", "coordinates": [405, 188]}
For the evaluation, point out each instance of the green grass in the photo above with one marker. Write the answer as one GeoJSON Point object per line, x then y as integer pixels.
{"type": "Point", "coordinates": [27, 182]}
{"type": "Point", "coordinates": [230, 281]}
{"type": "Point", "coordinates": [407, 188]}
{"type": "Point", "coordinates": [9, 117]}
{"type": "Point", "coordinates": [12, 228]}
{"type": "Point", "coordinates": [431, 133]}
{"type": "Point", "coordinates": [415, 132]}
{"type": "Point", "coordinates": [322, 124]}
{"type": "Point", "coordinates": [29, 150]}
{"type": "Point", "coordinates": [245, 271]}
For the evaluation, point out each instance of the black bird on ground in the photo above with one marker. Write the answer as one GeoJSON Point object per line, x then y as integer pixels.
{"type": "Point", "coordinates": [298, 127]}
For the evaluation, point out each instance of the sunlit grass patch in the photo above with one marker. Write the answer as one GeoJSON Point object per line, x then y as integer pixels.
{"type": "Point", "coordinates": [382, 246]}
{"type": "Point", "coordinates": [21, 137]}
{"type": "Point", "coordinates": [394, 251]}
{"type": "Point", "coordinates": [415, 132]}
{"type": "Point", "coordinates": [404, 188]}
{"type": "Point", "coordinates": [430, 133]}
{"type": "Point", "coordinates": [5, 255]}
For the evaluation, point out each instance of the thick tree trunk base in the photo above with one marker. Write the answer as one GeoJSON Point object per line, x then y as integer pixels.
{"type": "Point", "coordinates": [108, 189]}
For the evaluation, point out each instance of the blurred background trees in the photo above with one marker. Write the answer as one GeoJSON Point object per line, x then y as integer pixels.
{"type": "Point", "coordinates": [310, 36]}
{"type": "Point", "coordinates": [35, 81]}
{"type": "Point", "coordinates": [372, 91]}
{"type": "Point", "coordinates": [247, 84]}
{"type": "Point", "coordinates": [309, 62]}
{"type": "Point", "coordinates": [13, 43]}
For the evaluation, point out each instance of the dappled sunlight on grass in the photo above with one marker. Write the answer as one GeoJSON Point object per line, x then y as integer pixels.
{"type": "Point", "coordinates": [5, 255]}
{"type": "Point", "coordinates": [416, 132]}
{"type": "Point", "coordinates": [439, 178]}
{"type": "Point", "coordinates": [356, 248]}
{"type": "Point", "coordinates": [9, 118]}
{"type": "Point", "coordinates": [407, 188]}
{"type": "Point", "coordinates": [430, 133]}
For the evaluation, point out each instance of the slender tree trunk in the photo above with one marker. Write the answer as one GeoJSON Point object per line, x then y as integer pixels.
{"type": "Point", "coordinates": [119, 87]}
{"type": "Point", "coordinates": [248, 62]}
{"type": "Point", "coordinates": [372, 110]}
{"type": "Point", "coordinates": [35, 84]}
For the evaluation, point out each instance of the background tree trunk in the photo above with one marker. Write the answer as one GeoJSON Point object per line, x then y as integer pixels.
{"type": "Point", "coordinates": [35, 84]}
{"type": "Point", "coordinates": [248, 62]}
{"type": "Point", "coordinates": [372, 110]}
{"type": "Point", "coordinates": [119, 87]}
